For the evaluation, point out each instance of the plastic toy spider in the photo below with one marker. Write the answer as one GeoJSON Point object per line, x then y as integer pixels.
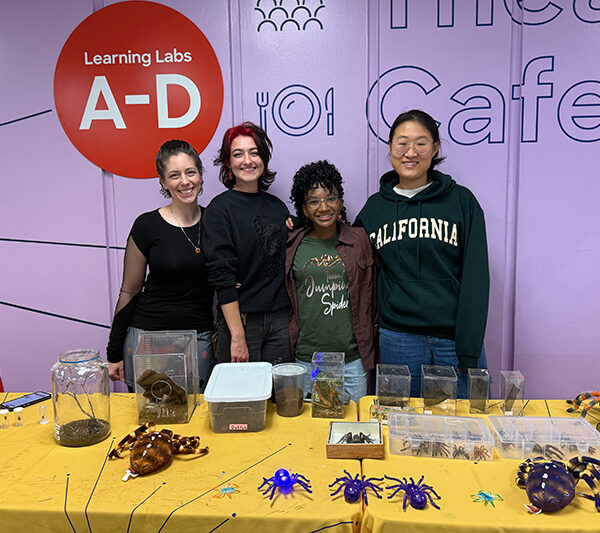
{"type": "Point", "coordinates": [284, 481]}
{"type": "Point", "coordinates": [227, 489]}
{"type": "Point", "coordinates": [550, 485]}
{"type": "Point", "coordinates": [486, 497]}
{"type": "Point", "coordinates": [417, 494]}
{"type": "Point", "coordinates": [354, 487]}
{"type": "Point", "coordinates": [580, 402]}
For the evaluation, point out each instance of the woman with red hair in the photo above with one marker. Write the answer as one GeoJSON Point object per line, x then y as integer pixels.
{"type": "Point", "coordinates": [244, 238]}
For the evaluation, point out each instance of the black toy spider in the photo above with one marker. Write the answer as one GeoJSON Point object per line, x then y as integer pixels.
{"type": "Point", "coordinates": [354, 487]}
{"type": "Point", "coordinates": [285, 482]}
{"type": "Point", "coordinates": [416, 494]}
{"type": "Point", "coordinates": [356, 438]}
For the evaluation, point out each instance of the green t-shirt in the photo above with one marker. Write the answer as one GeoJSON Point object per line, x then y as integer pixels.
{"type": "Point", "coordinates": [323, 301]}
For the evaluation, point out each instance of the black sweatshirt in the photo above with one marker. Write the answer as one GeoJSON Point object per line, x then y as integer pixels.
{"type": "Point", "coordinates": [243, 239]}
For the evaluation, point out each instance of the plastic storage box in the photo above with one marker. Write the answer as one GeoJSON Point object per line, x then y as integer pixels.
{"type": "Point", "coordinates": [393, 385]}
{"type": "Point", "coordinates": [522, 437]}
{"type": "Point", "coordinates": [449, 437]}
{"type": "Point", "coordinates": [166, 376]}
{"type": "Point", "coordinates": [237, 395]}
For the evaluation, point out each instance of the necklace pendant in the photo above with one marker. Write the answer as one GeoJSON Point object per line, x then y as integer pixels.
{"type": "Point", "coordinates": [197, 250]}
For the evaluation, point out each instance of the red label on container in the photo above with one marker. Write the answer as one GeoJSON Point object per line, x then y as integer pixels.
{"type": "Point", "coordinates": [238, 427]}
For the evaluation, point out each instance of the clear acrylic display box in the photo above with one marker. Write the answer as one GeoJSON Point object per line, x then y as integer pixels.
{"type": "Point", "coordinates": [520, 437]}
{"type": "Point", "coordinates": [165, 368]}
{"type": "Point", "coordinates": [393, 385]}
{"type": "Point", "coordinates": [438, 389]}
{"type": "Point", "coordinates": [479, 390]}
{"type": "Point", "coordinates": [327, 376]}
{"type": "Point", "coordinates": [512, 389]}
{"type": "Point", "coordinates": [449, 437]}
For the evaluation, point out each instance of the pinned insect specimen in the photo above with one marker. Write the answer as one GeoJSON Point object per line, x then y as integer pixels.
{"type": "Point", "coordinates": [460, 451]}
{"type": "Point", "coordinates": [284, 481]}
{"type": "Point", "coordinates": [480, 453]}
{"type": "Point", "coordinates": [356, 438]}
{"type": "Point", "coordinates": [417, 494]}
{"type": "Point", "coordinates": [550, 485]}
{"type": "Point", "coordinates": [486, 497]}
{"type": "Point", "coordinates": [152, 450]}
{"type": "Point", "coordinates": [354, 487]}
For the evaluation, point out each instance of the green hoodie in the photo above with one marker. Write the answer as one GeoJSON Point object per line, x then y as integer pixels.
{"type": "Point", "coordinates": [434, 277]}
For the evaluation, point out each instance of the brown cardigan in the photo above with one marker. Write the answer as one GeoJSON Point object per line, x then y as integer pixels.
{"type": "Point", "coordinates": [356, 252]}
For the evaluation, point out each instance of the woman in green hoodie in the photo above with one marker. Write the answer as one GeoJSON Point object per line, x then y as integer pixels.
{"type": "Point", "coordinates": [429, 232]}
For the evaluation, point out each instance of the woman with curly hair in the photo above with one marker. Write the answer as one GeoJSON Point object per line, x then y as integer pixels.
{"type": "Point", "coordinates": [244, 237]}
{"type": "Point", "coordinates": [330, 277]}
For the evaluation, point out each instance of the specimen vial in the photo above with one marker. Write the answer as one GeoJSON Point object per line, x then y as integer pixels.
{"type": "Point", "coordinates": [18, 417]}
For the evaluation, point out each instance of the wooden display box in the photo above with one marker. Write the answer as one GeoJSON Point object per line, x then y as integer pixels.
{"type": "Point", "coordinates": [355, 440]}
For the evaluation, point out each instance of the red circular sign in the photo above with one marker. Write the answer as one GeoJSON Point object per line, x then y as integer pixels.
{"type": "Point", "coordinates": [131, 76]}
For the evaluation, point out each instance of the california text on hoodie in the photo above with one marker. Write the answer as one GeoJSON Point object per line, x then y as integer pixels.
{"type": "Point", "coordinates": [434, 276]}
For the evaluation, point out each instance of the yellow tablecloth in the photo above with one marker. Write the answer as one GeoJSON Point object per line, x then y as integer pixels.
{"type": "Point", "coordinates": [48, 487]}
{"type": "Point", "coordinates": [457, 480]}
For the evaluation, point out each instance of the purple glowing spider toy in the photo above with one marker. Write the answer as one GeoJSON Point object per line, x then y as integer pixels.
{"type": "Point", "coordinates": [354, 487]}
{"type": "Point", "coordinates": [414, 493]}
{"type": "Point", "coordinates": [284, 481]}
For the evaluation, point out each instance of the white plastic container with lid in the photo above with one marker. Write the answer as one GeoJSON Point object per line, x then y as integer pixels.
{"type": "Point", "coordinates": [237, 395]}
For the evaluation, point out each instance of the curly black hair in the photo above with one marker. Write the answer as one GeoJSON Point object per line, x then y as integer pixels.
{"type": "Point", "coordinates": [311, 176]}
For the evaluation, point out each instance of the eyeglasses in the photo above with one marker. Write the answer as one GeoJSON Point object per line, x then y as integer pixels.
{"type": "Point", "coordinates": [422, 147]}
{"type": "Point", "coordinates": [330, 201]}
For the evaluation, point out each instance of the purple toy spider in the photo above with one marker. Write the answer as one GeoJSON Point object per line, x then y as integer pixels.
{"type": "Point", "coordinates": [354, 487]}
{"type": "Point", "coordinates": [415, 493]}
{"type": "Point", "coordinates": [284, 481]}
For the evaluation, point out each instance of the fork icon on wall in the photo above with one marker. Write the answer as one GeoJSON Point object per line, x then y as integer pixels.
{"type": "Point", "coordinates": [296, 110]}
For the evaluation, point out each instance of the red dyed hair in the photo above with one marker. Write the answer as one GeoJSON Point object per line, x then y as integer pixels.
{"type": "Point", "coordinates": [263, 144]}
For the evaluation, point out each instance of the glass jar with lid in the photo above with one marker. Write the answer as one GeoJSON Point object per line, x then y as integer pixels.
{"type": "Point", "coordinates": [81, 398]}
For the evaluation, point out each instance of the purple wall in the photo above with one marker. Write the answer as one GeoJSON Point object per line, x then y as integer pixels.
{"type": "Point", "coordinates": [517, 94]}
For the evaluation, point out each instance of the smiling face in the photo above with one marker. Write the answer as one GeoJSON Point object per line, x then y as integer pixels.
{"type": "Point", "coordinates": [245, 164]}
{"type": "Point", "coordinates": [322, 208]}
{"type": "Point", "coordinates": [411, 150]}
{"type": "Point", "coordinates": [182, 179]}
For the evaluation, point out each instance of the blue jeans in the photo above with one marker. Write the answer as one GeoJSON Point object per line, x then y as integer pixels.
{"type": "Point", "coordinates": [355, 379]}
{"type": "Point", "coordinates": [412, 350]}
{"type": "Point", "coordinates": [205, 357]}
